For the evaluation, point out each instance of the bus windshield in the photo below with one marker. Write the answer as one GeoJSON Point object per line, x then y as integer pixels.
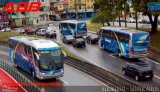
{"type": "Point", "coordinates": [50, 60]}
{"type": "Point", "coordinates": [81, 27]}
{"type": "Point", "coordinates": [140, 39]}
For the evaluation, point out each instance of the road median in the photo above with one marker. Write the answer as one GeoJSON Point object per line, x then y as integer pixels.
{"type": "Point", "coordinates": [115, 82]}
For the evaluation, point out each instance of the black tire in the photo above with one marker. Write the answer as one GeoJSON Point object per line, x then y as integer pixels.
{"type": "Point", "coordinates": [33, 74]}
{"type": "Point", "coordinates": [123, 72]}
{"type": "Point", "coordinates": [136, 78]}
{"type": "Point", "coordinates": [15, 63]}
{"type": "Point", "coordinates": [119, 53]}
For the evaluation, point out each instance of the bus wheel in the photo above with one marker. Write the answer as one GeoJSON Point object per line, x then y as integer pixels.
{"type": "Point", "coordinates": [33, 74]}
{"type": "Point", "coordinates": [119, 53]}
{"type": "Point", "coordinates": [15, 63]}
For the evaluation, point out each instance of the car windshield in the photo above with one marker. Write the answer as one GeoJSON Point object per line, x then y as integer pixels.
{"type": "Point", "coordinates": [50, 60]}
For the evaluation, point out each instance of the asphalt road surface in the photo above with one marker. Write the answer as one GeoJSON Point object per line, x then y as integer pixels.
{"type": "Point", "coordinates": [72, 81]}
{"type": "Point", "coordinates": [105, 59]}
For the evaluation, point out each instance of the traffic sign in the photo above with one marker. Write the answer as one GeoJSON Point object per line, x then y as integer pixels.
{"type": "Point", "coordinates": [153, 5]}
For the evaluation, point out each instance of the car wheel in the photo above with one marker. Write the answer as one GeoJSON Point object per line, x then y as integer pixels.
{"type": "Point", "coordinates": [136, 78]}
{"type": "Point", "coordinates": [90, 42]}
{"type": "Point", "coordinates": [123, 72]}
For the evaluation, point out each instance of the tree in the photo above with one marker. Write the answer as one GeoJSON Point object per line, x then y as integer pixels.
{"type": "Point", "coordinates": [126, 12]}
{"type": "Point", "coordinates": [141, 6]}
{"type": "Point", "coordinates": [96, 5]}
{"type": "Point", "coordinates": [101, 18]}
{"type": "Point", "coordinates": [119, 9]}
{"type": "Point", "coordinates": [105, 11]}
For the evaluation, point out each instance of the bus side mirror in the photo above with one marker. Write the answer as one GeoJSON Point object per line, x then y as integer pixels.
{"type": "Point", "coordinates": [36, 56]}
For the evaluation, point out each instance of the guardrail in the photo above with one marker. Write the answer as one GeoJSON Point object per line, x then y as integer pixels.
{"type": "Point", "coordinates": [114, 81]}
{"type": "Point", "coordinates": [18, 76]}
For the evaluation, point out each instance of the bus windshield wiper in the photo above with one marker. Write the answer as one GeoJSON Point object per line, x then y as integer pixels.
{"type": "Point", "coordinates": [52, 63]}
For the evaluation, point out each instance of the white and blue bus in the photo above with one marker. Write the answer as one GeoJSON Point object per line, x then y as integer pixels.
{"type": "Point", "coordinates": [42, 58]}
{"type": "Point", "coordinates": [125, 42]}
{"type": "Point", "coordinates": [73, 27]}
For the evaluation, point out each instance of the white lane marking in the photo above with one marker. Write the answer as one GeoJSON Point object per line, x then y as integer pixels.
{"type": "Point", "coordinates": [157, 77]}
{"type": "Point", "coordinates": [154, 62]}
{"type": "Point", "coordinates": [92, 78]}
{"type": "Point", "coordinates": [64, 82]}
{"type": "Point", "coordinates": [112, 56]}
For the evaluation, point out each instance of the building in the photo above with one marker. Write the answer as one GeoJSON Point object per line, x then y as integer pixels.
{"type": "Point", "coordinates": [81, 5]}
{"type": "Point", "coordinates": [41, 17]}
{"type": "Point", "coordinates": [61, 5]}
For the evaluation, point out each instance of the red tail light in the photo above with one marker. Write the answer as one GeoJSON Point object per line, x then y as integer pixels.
{"type": "Point", "coordinates": [131, 50]}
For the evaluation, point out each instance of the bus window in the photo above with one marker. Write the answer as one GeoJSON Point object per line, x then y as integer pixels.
{"type": "Point", "coordinates": [123, 37]}
{"type": "Point", "coordinates": [27, 50]}
{"type": "Point", "coordinates": [81, 27]}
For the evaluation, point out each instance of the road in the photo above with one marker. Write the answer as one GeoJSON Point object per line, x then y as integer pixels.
{"type": "Point", "coordinates": [105, 59]}
{"type": "Point", "coordinates": [72, 81]}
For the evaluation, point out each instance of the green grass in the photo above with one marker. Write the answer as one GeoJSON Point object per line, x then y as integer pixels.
{"type": "Point", "coordinates": [93, 26]}
{"type": "Point", "coordinates": [4, 36]}
{"type": "Point", "coordinates": [68, 53]}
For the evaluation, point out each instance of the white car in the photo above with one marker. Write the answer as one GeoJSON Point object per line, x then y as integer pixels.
{"type": "Point", "coordinates": [41, 32]}
{"type": "Point", "coordinates": [131, 20]}
{"type": "Point", "coordinates": [20, 30]}
{"type": "Point", "coordinates": [7, 29]}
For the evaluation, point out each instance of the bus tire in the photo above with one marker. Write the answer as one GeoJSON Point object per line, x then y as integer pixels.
{"type": "Point", "coordinates": [33, 74]}
{"type": "Point", "coordinates": [15, 63]}
{"type": "Point", "coordinates": [119, 53]}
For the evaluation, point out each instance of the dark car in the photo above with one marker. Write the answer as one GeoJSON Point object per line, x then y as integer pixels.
{"type": "Point", "coordinates": [79, 42]}
{"type": "Point", "coordinates": [51, 34]}
{"type": "Point", "coordinates": [68, 39]}
{"type": "Point", "coordinates": [93, 38]}
{"type": "Point", "coordinates": [30, 30]}
{"type": "Point", "coordinates": [138, 71]}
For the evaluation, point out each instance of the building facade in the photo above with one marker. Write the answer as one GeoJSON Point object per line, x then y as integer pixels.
{"type": "Point", "coordinates": [81, 5]}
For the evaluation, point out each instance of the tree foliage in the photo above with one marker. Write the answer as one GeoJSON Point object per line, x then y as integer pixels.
{"type": "Point", "coordinates": [141, 6]}
{"type": "Point", "coordinates": [105, 11]}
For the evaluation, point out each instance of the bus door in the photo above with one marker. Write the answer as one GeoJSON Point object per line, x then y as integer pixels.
{"type": "Point", "coordinates": [28, 58]}
{"type": "Point", "coordinates": [72, 29]}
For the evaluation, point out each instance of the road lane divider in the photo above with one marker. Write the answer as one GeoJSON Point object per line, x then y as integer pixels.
{"type": "Point", "coordinates": [115, 82]}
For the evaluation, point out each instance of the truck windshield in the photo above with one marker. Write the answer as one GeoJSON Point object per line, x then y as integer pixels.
{"type": "Point", "coordinates": [50, 60]}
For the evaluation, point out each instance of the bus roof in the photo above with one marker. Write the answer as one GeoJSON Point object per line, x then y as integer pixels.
{"type": "Point", "coordinates": [37, 43]}
{"type": "Point", "coordinates": [72, 21]}
{"type": "Point", "coordinates": [123, 30]}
